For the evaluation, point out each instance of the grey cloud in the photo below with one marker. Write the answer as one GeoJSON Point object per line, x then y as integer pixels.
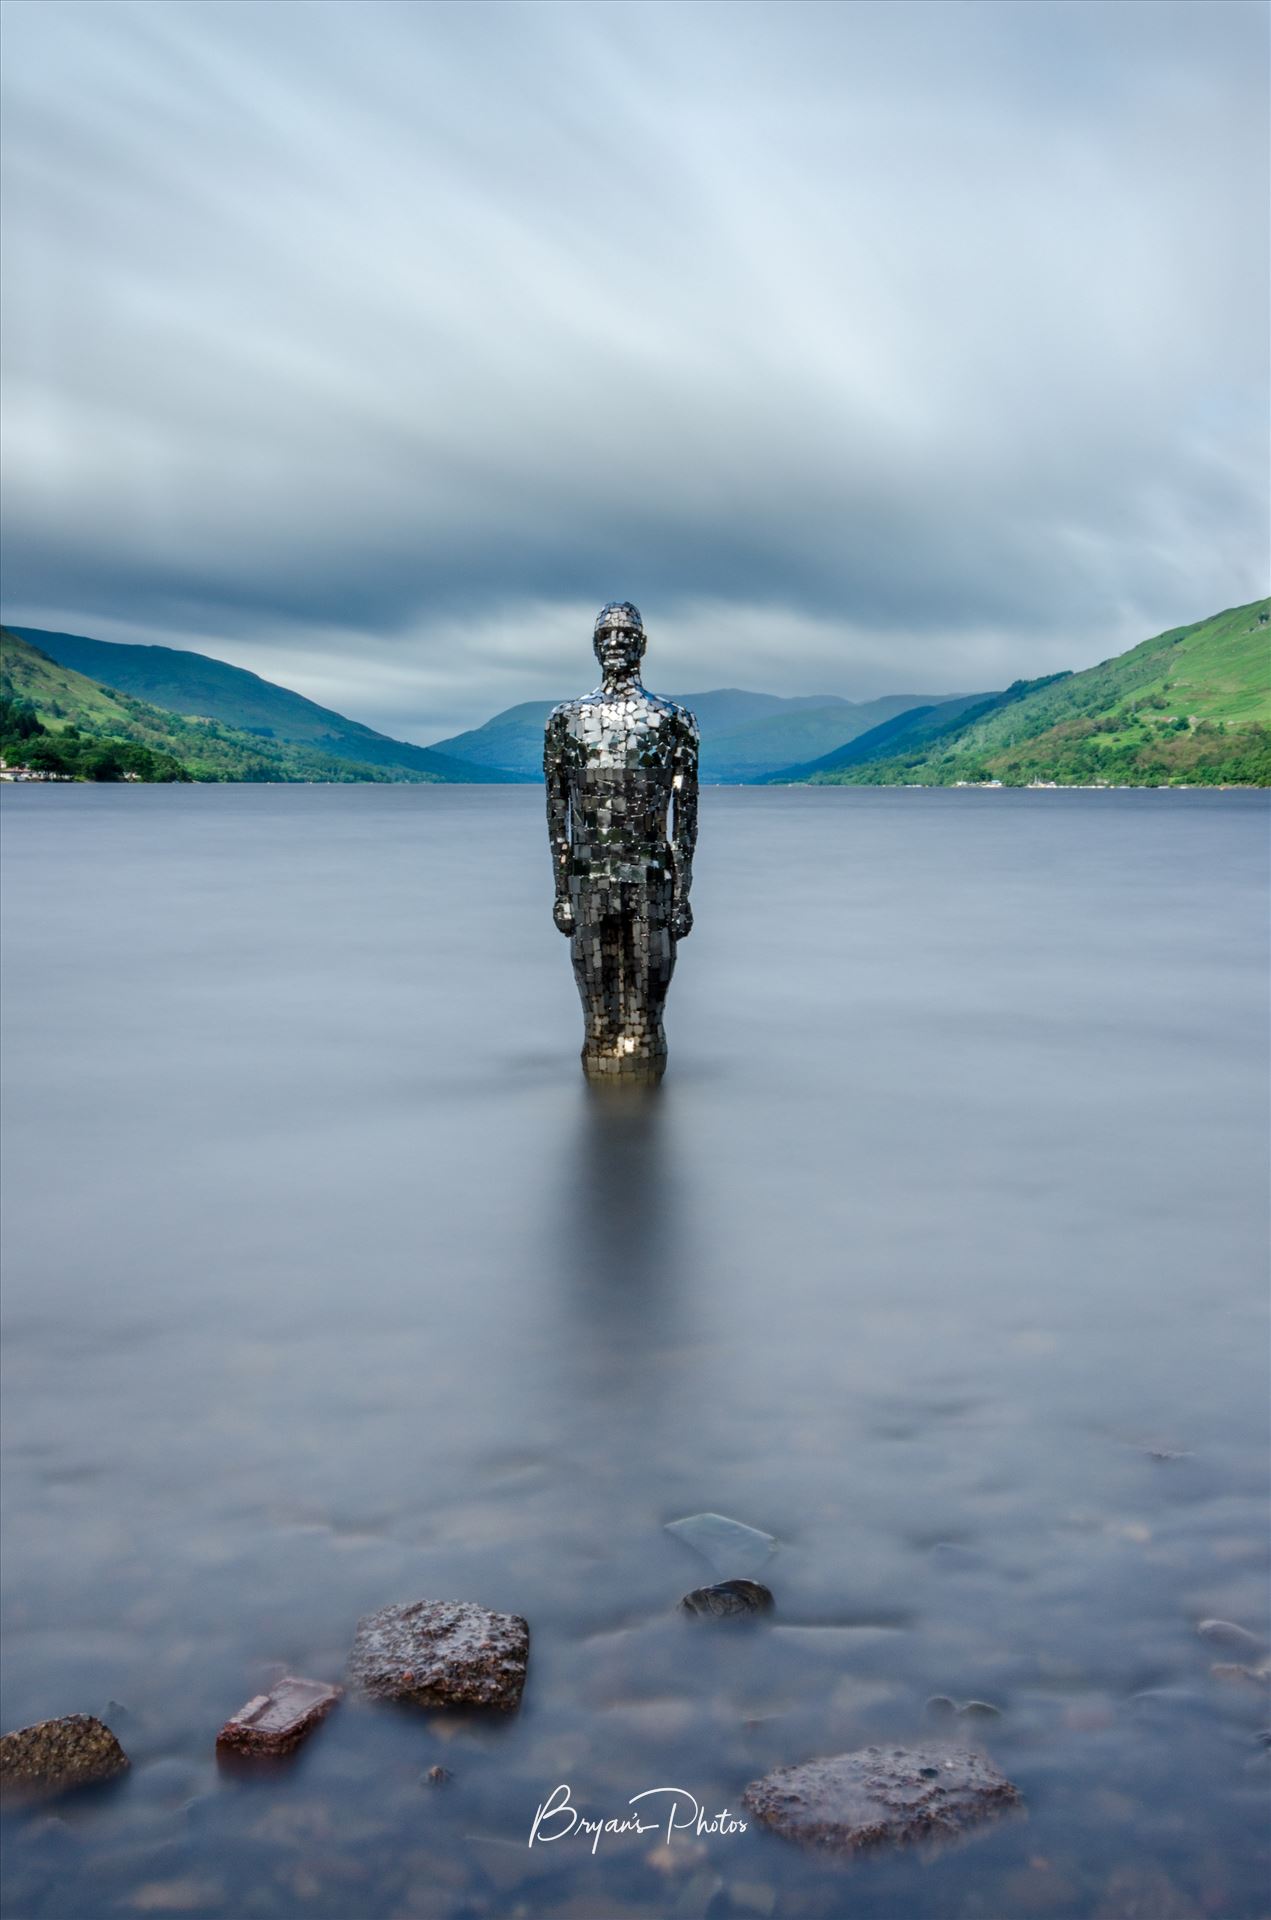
{"type": "Point", "coordinates": [864, 346]}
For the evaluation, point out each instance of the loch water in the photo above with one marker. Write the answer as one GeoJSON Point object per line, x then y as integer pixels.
{"type": "Point", "coordinates": [940, 1256]}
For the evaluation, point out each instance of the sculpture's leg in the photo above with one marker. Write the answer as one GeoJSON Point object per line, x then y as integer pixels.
{"type": "Point", "coordinates": [623, 958]}
{"type": "Point", "coordinates": [659, 949]}
{"type": "Point", "coordinates": [593, 949]}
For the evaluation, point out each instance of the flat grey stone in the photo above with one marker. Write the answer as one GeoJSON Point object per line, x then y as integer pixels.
{"type": "Point", "coordinates": [441, 1653]}
{"type": "Point", "coordinates": [54, 1755]}
{"type": "Point", "coordinates": [881, 1796]}
{"type": "Point", "coordinates": [729, 1546]}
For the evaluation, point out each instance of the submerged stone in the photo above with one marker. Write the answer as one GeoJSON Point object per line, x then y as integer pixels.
{"type": "Point", "coordinates": [728, 1600]}
{"type": "Point", "coordinates": [952, 1557]}
{"type": "Point", "coordinates": [440, 1653]}
{"type": "Point", "coordinates": [1153, 1702]}
{"type": "Point", "coordinates": [881, 1796]}
{"type": "Point", "coordinates": [276, 1722]}
{"type": "Point", "coordinates": [53, 1756]}
{"type": "Point", "coordinates": [1223, 1633]}
{"type": "Point", "coordinates": [728, 1545]}
{"type": "Point", "coordinates": [941, 1707]}
{"type": "Point", "coordinates": [1250, 1676]}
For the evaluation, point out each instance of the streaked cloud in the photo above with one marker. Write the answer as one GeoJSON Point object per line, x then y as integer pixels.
{"type": "Point", "coordinates": [867, 347]}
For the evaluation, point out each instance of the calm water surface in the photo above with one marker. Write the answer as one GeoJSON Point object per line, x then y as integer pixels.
{"type": "Point", "coordinates": [328, 1285]}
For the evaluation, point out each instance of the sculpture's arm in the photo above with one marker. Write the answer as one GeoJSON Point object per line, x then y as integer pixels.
{"type": "Point", "coordinates": [684, 824]}
{"type": "Point", "coordinates": [556, 777]}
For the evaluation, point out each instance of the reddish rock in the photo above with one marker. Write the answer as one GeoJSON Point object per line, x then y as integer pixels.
{"type": "Point", "coordinates": [881, 1796]}
{"type": "Point", "coordinates": [54, 1755]}
{"type": "Point", "coordinates": [276, 1722]}
{"type": "Point", "coordinates": [441, 1653]}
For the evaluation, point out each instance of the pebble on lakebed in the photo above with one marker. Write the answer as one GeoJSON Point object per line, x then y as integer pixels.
{"type": "Point", "coordinates": [441, 1653]}
{"type": "Point", "coordinates": [55, 1755]}
{"type": "Point", "coordinates": [881, 1796]}
{"type": "Point", "coordinates": [728, 1600]}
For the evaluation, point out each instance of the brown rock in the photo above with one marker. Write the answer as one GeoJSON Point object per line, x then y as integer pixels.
{"type": "Point", "coordinates": [441, 1653]}
{"type": "Point", "coordinates": [276, 1722]}
{"type": "Point", "coordinates": [76, 1751]}
{"type": "Point", "coordinates": [881, 1796]}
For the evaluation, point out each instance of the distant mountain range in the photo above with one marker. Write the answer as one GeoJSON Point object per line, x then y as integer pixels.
{"type": "Point", "coordinates": [1192, 705]}
{"type": "Point", "coordinates": [744, 735]}
{"type": "Point", "coordinates": [224, 723]}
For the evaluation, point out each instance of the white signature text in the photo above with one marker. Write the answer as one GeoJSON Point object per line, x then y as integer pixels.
{"type": "Point", "coordinates": [559, 1819]}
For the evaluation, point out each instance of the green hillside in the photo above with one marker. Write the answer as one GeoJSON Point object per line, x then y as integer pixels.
{"type": "Point", "coordinates": [1188, 707]}
{"type": "Point", "coordinates": [744, 735]}
{"type": "Point", "coordinates": [282, 728]}
{"type": "Point", "coordinates": [902, 732]}
{"type": "Point", "coordinates": [70, 709]}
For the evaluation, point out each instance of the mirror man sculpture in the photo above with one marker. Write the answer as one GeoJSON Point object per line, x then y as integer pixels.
{"type": "Point", "coordinates": [615, 762]}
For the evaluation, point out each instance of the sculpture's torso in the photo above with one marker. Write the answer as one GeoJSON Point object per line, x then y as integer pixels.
{"type": "Point", "coordinates": [620, 754]}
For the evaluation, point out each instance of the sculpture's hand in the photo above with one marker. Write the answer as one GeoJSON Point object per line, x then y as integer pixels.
{"type": "Point", "coordinates": [681, 920]}
{"type": "Point", "coordinates": [563, 914]}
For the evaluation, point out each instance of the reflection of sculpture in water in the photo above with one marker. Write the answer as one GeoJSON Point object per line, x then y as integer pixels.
{"type": "Point", "coordinates": [615, 762]}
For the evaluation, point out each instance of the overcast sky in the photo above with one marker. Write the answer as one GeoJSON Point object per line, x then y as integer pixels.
{"type": "Point", "coordinates": [866, 347]}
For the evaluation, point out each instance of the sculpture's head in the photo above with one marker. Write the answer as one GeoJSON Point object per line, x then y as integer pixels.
{"type": "Point", "coordinates": [619, 640]}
